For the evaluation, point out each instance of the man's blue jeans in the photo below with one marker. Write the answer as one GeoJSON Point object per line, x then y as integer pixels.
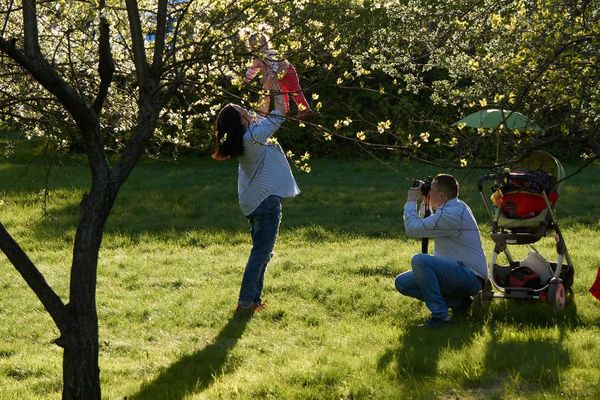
{"type": "Point", "coordinates": [439, 282]}
{"type": "Point", "coordinates": [264, 225]}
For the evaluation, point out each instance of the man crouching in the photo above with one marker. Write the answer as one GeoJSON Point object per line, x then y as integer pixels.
{"type": "Point", "coordinates": [457, 269]}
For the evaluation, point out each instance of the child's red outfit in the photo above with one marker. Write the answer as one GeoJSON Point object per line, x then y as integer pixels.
{"type": "Point", "coordinates": [288, 78]}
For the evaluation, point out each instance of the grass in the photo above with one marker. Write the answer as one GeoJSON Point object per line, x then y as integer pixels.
{"type": "Point", "coordinates": [169, 274]}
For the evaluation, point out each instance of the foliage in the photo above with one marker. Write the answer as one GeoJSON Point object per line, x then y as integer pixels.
{"type": "Point", "coordinates": [395, 75]}
{"type": "Point", "coordinates": [433, 62]}
{"type": "Point", "coordinates": [383, 75]}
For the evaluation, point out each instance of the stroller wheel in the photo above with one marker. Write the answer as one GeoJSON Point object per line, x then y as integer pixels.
{"type": "Point", "coordinates": [557, 295]}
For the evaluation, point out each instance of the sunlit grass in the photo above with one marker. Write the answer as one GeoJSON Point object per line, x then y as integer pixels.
{"type": "Point", "coordinates": [169, 275]}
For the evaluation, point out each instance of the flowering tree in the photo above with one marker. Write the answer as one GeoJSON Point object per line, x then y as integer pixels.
{"type": "Point", "coordinates": [427, 64]}
{"type": "Point", "coordinates": [104, 74]}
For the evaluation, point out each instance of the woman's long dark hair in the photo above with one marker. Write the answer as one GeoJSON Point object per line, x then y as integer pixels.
{"type": "Point", "coordinates": [229, 134]}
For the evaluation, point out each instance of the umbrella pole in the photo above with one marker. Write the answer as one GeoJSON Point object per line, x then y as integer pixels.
{"type": "Point", "coordinates": [504, 118]}
{"type": "Point", "coordinates": [497, 145]}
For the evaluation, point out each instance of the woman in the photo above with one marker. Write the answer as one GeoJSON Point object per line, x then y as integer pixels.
{"type": "Point", "coordinates": [264, 177]}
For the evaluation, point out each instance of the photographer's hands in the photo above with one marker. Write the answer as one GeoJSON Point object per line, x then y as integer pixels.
{"type": "Point", "coordinates": [414, 193]}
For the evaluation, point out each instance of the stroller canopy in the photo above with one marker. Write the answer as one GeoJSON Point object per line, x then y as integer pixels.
{"type": "Point", "coordinates": [544, 161]}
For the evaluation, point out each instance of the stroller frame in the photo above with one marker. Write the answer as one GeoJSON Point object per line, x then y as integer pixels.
{"type": "Point", "coordinates": [555, 290]}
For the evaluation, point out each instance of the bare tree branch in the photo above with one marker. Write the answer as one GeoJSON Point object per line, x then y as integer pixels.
{"type": "Point", "coordinates": [8, 13]}
{"type": "Point", "coordinates": [159, 44]}
{"type": "Point", "coordinates": [106, 64]}
{"type": "Point", "coordinates": [32, 45]}
{"type": "Point", "coordinates": [137, 38]}
{"type": "Point", "coordinates": [52, 303]}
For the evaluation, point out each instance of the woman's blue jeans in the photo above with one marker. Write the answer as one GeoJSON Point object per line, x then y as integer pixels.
{"type": "Point", "coordinates": [264, 225]}
{"type": "Point", "coordinates": [439, 282]}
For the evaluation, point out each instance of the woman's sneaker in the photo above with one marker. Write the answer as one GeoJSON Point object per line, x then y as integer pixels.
{"type": "Point", "coordinates": [252, 308]}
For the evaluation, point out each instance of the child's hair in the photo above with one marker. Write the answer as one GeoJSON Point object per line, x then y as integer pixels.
{"type": "Point", "coordinates": [258, 41]}
{"type": "Point", "coordinates": [229, 134]}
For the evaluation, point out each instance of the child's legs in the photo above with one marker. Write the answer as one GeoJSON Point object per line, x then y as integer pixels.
{"type": "Point", "coordinates": [284, 94]}
{"type": "Point", "coordinates": [291, 84]}
{"type": "Point", "coordinates": [286, 101]}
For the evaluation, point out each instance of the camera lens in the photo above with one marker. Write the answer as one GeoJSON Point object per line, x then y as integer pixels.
{"type": "Point", "coordinates": [425, 188]}
{"type": "Point", "coordinates": [425, 185]}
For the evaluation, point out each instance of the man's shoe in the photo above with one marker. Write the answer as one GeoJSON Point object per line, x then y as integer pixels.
{"type": "Point", "coordinates": [462, 308]}
{"type": "Point", "coordinates": [434, 323]}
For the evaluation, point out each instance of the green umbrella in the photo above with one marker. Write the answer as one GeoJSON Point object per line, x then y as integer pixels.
{"type": "Point", "coordinates": [493, 118]}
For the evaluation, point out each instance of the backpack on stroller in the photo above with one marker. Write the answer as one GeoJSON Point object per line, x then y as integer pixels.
{"type": "Point", "coordinates": [522, 210]}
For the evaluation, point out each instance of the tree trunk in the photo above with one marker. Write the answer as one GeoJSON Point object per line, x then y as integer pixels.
{"type": "Point", "coordinates": [81, 373]}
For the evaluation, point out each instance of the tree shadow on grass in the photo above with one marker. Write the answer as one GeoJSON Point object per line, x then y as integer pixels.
{"type": "Point", "coordinates": [196, 372]}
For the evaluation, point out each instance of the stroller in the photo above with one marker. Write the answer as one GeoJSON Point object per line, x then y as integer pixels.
{"type": "Point", "coordinates": [522, 209]}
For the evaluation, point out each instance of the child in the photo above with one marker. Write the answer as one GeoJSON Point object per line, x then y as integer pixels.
{"type": "Point", "coordinates": [266, 61]}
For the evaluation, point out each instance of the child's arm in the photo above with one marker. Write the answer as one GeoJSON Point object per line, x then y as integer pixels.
{"type": "Point", "coordinates": [267, 126]}
{"type": "Point", "coordinates": [263, 104]}
{"type": "Point", "coordinates": [264, 101]}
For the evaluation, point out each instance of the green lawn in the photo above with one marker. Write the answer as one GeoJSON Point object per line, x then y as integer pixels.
{"type": "Point", "coordinates": [171, 264]}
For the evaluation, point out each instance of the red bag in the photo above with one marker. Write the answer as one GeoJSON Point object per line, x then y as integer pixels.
{"type": "Point", "coordinates": [524, 277]}
{"type": "Point", "coordinates": [524, 204]}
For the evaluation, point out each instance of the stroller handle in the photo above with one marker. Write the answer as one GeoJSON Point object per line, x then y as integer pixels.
{"type": "Point", "coordinates": [489, 177]}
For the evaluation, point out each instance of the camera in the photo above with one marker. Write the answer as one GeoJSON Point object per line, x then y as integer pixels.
{"type": "Point", "coordinates": [425, 187]}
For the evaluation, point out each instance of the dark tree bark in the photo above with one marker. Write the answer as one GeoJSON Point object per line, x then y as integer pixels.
{"type": "Point", "coordinates": [77, 320]}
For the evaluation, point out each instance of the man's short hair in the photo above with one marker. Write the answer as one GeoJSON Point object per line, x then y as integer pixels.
{"type": "Point", "coordinates": [448, 184]}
